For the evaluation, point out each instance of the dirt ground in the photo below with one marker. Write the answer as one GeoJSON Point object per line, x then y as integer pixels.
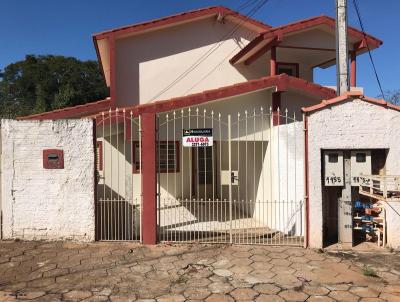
{"type": "Point", "coordinates": [59, 271]}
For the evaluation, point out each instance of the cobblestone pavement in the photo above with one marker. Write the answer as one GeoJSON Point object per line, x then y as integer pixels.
{"type": "Point", "coordinates": [130, 272]}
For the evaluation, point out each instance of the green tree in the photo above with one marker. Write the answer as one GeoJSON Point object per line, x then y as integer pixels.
{"type": "Point", "coordinates": [43, 83]}
{"type": "Point", "coordinates": [393, 97]}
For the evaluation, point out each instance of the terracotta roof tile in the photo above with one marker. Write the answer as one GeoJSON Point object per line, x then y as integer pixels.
{"type": "Point", "coordinates": [182, 17]}
{"type": "Point", "coordinates": [71, 112]}
{"type": "Point", "coordinates": [279, 31]}
{"type": "Point", "coordinates": [348, 96]}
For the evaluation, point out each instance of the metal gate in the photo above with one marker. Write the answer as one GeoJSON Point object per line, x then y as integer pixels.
{"type": "Point", "coordinates": [118, 201]}
{"type": "Point", "coordinates": [247, 188]}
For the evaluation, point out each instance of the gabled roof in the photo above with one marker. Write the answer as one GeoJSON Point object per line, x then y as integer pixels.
{"type": "Point", "coordinates": [102, 40]}
{"type": "Point", "coordinates": [71, 112]}
{"type": "Point", "coordinates": [282, 83]}
{"type": "Point", "coordinates": [298, 26]}
{"type": "Point", "coordinates": [180, 18]}
{"type": "Point", "coordinates": [348, 96]}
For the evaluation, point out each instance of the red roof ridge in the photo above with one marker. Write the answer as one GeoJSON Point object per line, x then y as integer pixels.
{"type": "Point", "coordinates": [322, 16]}
{"type": "Point", "coordinates": [280, 81]}
{"type": "Point", "coordinates": [347, 96]}
{"type": "Point", "coordinates": [278, 31]}
{"type": "Point", "coordinates": [210, 9]}
{"type": "Point", "coordinates": [54, 114]}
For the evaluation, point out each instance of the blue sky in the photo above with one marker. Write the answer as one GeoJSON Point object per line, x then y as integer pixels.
{"type": "Point", "coordinates": [65, 28]}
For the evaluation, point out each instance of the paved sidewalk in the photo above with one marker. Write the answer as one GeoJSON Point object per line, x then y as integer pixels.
{"type": "Point", "coordinates": [131, 272]}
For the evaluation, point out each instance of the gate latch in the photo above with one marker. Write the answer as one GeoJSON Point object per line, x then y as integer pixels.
{"type": "Point", "coordinates": [234, 178]}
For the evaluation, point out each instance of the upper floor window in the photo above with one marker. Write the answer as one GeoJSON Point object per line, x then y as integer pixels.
{"type": "Point", "coordinates": [291, 69]}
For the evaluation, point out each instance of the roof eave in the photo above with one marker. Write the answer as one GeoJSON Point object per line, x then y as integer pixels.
{"type": "Point", "coordinates": [71, 112]}
{"type": "Point", "coordinates": [282, 30]}
{"type": "Point", "coordinates": [181, 17]}
{"type": "Point", "coordinates": [350, 95]}
{"type": "Point", "coordinates": [282, 82]}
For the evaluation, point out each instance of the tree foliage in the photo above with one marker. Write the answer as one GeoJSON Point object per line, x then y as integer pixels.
{"type": "Point", "coordinates": [393, 97]}
{"type": "Point", "coordinates": [43, 83]}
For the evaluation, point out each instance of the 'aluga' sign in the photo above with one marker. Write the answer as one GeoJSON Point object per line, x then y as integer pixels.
{"type": "Point", "coordinates": [197, 137]}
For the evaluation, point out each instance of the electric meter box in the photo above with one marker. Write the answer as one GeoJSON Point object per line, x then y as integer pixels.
{"type": "Point", "coordinates": [360, 166]}
{"type": "Point", "coordinates": [333, 167]}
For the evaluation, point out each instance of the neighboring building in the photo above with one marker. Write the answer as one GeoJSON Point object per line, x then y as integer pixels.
{"type": "Point", "coordinates": [216, 69]}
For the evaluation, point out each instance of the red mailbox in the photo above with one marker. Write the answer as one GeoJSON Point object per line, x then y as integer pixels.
{"type": "Point", "coordinates": [53, 159]}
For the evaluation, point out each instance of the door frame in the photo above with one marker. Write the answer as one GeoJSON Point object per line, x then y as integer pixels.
{"type": "Point", "coordinates": [194, 169]}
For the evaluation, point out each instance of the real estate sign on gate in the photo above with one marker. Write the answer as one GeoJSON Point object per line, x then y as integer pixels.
{"type": "Point", "coordinates": [197, 137]}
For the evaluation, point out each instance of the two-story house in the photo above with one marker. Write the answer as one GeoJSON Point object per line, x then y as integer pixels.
{"type": "Point", "coordinates": [214, 70]}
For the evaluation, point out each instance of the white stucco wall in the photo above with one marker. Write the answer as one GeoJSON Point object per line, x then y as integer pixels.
{"type": "Point", "coordinates": [352, 125]}
{"type": "Point", "coordinates": [47, 204]}
{"type": "Point", "coordinates": [148, 63]}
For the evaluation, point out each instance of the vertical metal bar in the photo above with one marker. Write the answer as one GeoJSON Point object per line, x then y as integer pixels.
{"type": "Point", "coordinates": [205, 159]}
{"type": "Point", "coordinates": [220, 211]}
{"type": "Point", "coordinates": [102, 220]}
{"type": "Point", "coordinates": [295, 170]}
{"type": "Point", "coordinates": [166, 203]}
{"type": "Point", "coordinates": [111, 179]}
{"type": "Point", "coordinates": [182, 174]}
{"type": "Point", "coordinates": [161, 235]}
{"type": "Point", "coordinates": [384, 224]}
{"type": "Point", "coordinates": [211, 210]}
{"type": "Point", "coordinates": [230, 173]}
{"type": "Point", "coordinates": [279, 173]}
{"type": "Point", "coordinates": [141, 182]}
{"type": "Point", "coordinates": [167, 158]}
{"type": "Point", "coordinates": [252, 209]}
{"type": "Point", "coordinates": [212, 158]}
{"type": "Point", "coordinates": [239, 176]}
{"type": "Point", "coordinates": [132, 231]}
{"type": "Point", "coordinates": [132, 227]}
{"type": "Point", "coordinates": [305, 197]}
{"type": "Point", "coordinates": [116, 218]}
{"type": "Point", "coordinates": [207, 210]}
{"type": "Point", "coordinates": [246, 118]}
{"type": "Point", "coordinates": [176, 171]}
{"type": "Point", "coordinates": [262, 176]}
{"type": "Point", "coordinates": [190, 163]}
{"type": "Point", "coordinates": [123, 226]}
{"type": "Point", "coordinates": [269, 208]}
{"type": "Point", "coordinates": [131, 219]}
{"type": "Point", "coordinates": [189, 232]}
{"type": "Point", "coordinates": [196, 205]}
{"type": "Point", "coordinates": [285, 221]}
{"type": "Point", "coordinates": [204, 204]}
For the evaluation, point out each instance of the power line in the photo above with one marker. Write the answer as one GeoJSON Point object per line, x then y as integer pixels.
{"type": "Point", "coordinates": [209, 51]}
{"type": "Point", "coordinates": [218, 65]}
{"type": "Point", "coordinates": [245, 5]}
{"type": "Point", "coordinates": [221, 41]}
{"type": "Point", "coordinates": [212, 70]}
{"type": "Point", "coordinates": [369, 49]}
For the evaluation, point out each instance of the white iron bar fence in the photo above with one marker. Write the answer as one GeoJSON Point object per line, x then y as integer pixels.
{"type": "Point", "coordinates": [245, 189]}
{"type": "Point", "coordinates": [118, 203]}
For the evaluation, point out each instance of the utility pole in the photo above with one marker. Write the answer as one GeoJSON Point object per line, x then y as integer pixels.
{"type": "Point", "coordinates": [342, 60]}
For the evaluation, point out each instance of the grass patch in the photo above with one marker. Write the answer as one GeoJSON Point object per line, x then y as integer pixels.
{"type": "Point", "coordinates": [369, 272]}
{"type": "Point", "coordinates": [182, 279]}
